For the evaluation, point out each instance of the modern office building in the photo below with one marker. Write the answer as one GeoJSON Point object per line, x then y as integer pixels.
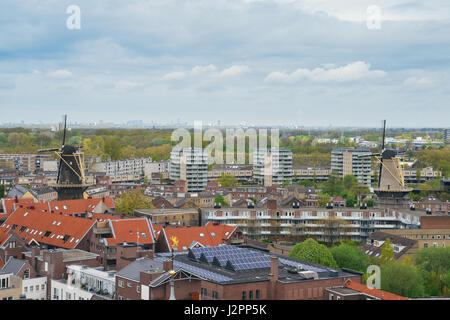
{"type": "Point", "coordinates": [272, 166]}
{"type": "Point", "coordinates": [191, 165]}
{"type": "Point", "coordinates": [345, 161]}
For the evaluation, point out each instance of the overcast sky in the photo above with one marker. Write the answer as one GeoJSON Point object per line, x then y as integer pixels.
{"type": "Point", "coordinates": [312, 62]}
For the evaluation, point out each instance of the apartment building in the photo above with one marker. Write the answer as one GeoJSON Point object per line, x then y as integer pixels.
{"type": "Point", "coordinates": [24, 162]}
{"type": "Point", "coordinates": [159, 167]}
{"type": "Point", "coordinates": [272, 166]}
{"type": "Point", "coordinates": [242, 172]}
{"type": "Point", "coordinates": [291, 220]}
{"type": "Point", "coordinates": [345, 161]}
{"type": "Point", "coordinates": [122, 167]}
{"type": "Point", "coordinates": [318, 174]}
{"type": "Point", "coordinates": [191, 165]}
{"type": "Point", "coordinates": [428, 173]}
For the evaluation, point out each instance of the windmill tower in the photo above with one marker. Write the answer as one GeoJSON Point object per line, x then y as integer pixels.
{"type": "Point", "coordinates": [391, 190]}
{"type": "Point", "coordinates": [71, 182]}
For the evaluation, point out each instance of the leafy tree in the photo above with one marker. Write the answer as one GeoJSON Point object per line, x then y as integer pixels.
{"type": "Point", "coordinates": [311, 251]}
{"type": "Point", "coordinates": [112, 148]}
{"type": "Point", "coordinates": [351, 257]}
{"type": "Point", "coordinates": [227, 180]}
{"type": "Point", "coordinates": [418, 175]}
{"type": "Point", "coordinates": [323, 199]}
{"type": "Point", "coordinates": [434, 264]}
{"type": "Point", "coordinates": [75, 140]}
{"type": "Point", "coordinates": [220, 199]}
{"type": "Point", "coordinates": [387, 251]}
{"type": "Point", "coordinates": [132, 200]}
{"type": "Point", "coordinates": [350, 181]}
{"type": "Point", "coordinates": [2, 190]}
{"type": "Point", "coordinates": [334, 186]}
{"type": "Point", "coordinates": [402, 279]}
{"type": "Point", "coordinates": [286, 183]}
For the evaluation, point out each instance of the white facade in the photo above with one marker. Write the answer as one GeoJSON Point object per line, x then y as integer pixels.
{"type": "Point", "coordinates": [272, 166]}
{"type": "Point", "coordinates": [83, 282]}
{"type": "Point", "coordinates": [191, 165]}
{"type": "Point", "coordinates": [35, 288]}
{"type": "Point", "coordinates": [345, 161]}
{"type": "Point", "coordinates": [156, 167]}
{"type": "Point", "coordinates": [122, 167]}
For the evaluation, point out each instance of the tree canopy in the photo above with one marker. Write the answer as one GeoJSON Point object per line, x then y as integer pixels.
{"type": "Point", "coordinates": [311, 251]}
{"type": "Point", "coordinates": [350, 256]}
{"type": "Point", "coordinates": [132, 200]}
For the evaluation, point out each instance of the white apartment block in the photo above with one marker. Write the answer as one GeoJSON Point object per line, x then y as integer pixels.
{"type": "Point", "coordinates": [122, 167]}
{"type": "Point", "coordinates": [35, 288]}
{"type": "Point", "coordinates": [84, 282]}
{"type": "Point", "coordinates": [191, 165]}
{"type": "Point", "coordinates": [345, 161]}
{"type": "Point", "coordinates": [156, 167]}
{"type": "Point", "coordinates": [272, 166]}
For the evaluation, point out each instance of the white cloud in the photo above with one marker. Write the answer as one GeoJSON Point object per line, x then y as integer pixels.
{"type": "Point", "coordinates": [207, 71]}
{"type": "Point", "coordinates": [174, 76]}
{"type": "Point", "coordinates": [233, 71]}
{"type": "Point", "coordinates": [418, 81]}
{"type": "Point", "coordinates": [125, 85]}
{"type": "Point", "coordinates": [60, 74]}
{"type": "Point", "coordinates": [352, 72]}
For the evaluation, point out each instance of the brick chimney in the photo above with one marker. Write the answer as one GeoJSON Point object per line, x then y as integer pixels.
{"type": "Point", "coordinates": [273, 269]}
{"type": "Point", "coordinates": [272, 204]}
{"type": "Point", "coordinates": [168, 265]}
{"type": "Point", "coordinates": [126, 253]}
{"type": "Point", "coordinates": [54, 259]}
{"type": "Point", "coordinates": [35, 252]}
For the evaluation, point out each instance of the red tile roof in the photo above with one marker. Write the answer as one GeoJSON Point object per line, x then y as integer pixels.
{"type": "Point", "coordinates": [210, 235]}
{"type": "Point", "coordinates": [10, 204]}
{"type": "Point", "coordinates": [131, 230]}
{"type": "Point", "coordinates": [79, 205]}
{"type": "Point", "coordinates": [383, 295]}
{"type": "Point", "coordinates": [4, 235]}
{"type": "Point", "coordinates": [49, 228]}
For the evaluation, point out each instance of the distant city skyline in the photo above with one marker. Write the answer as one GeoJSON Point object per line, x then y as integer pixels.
{"type": "Point", "coordinates": [265, 62]}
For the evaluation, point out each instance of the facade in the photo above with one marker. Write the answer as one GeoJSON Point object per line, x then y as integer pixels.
{"type": "Point", "coordinates": [191, 165]}
{"type": "Point", "coordinates": [272, 167]}
{"type": "Point", "coordinates": [160, 167]}
{"type": "Point", "coordinates": [345, 161]}
{"type": "Point", "coordinates": [242, 172]}
{"type": "Point", "coordinates": [122, 167]}
{"type": "Point", "coordinates": [428, 173]}
{"type": "Point", "coordinates": [188, 217]}
{"type": "Point", "coordinates": [291, 220]}
{"type": "Point", "coordinates": [25, 162]}
{"type": "Point", "coordinates": [319, 174]}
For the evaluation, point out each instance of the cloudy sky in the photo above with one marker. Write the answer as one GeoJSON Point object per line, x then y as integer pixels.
{"type": "Point", "coordinates": [310, 62]}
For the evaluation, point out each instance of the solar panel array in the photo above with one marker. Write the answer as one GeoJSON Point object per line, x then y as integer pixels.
{"type": "Point", "coordinates": [232, 257]}
{"type": "Point", "coordinates": [202, 272]}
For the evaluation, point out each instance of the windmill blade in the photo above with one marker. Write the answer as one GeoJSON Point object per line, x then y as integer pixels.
{"type": "Point", "coordinates": [64, 133]}
{"type": "Point", "coordinates": [48, 150]}
{"type": "Point", "coordinates": [382, 149]}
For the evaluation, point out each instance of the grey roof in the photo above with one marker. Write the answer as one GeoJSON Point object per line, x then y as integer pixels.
{"type": "Point", "coordinates": [18, 191]}
{"type": "Point", "coordinates": [42, 190]}
{"type": "Point", "coordinates": [133, 270]}
{"type": "Point", "coordinates": [12, 266]}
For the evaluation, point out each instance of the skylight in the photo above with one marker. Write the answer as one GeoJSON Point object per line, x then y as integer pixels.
{"type": "Point", "coordinates": [202, 235]}
{"type": "Point", "coordinates": [25, 214]}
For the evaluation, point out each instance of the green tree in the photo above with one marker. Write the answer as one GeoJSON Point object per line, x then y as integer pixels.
{"type": "Point", "coordinates": [351, 257]}
{"type": "Point", "coordinates": [334, 186]}
{"type": "Point", "coordinates": [132, 200]}
{"type": "Point", "coordinates": [418, 175]}
{"type": "Point", "coordinates": [2, 190]}
{"type": "Point", "coordinates": [227, 180]}
{"type": "Point", "coordinates": [323, 199]}
{"type": "Point", "coordinates": [221, 200]}
{"type": "Point", "coordinates": [387, 251]}
{"type": "Point", "coordinates": [434, 264]}
{"type": "Point", "coordinates": [401, 279]}
{"type": "Point", "coordinates": [113, 148]}
{"type": "Point", "coordinates": [350, 181]}
{"type": "Point", "coordinates": [311, 251]}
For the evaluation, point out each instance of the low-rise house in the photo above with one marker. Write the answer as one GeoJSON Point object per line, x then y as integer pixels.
{"type": "Point", "coordinates": [352, 290]}
{"type": "Point", "coordinates": [402, 246]}
{"type": "Point", "coordinates": [210, 235]}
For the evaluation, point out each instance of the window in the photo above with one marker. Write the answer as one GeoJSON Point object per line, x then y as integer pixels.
{"type": "Point", "coordinates": [121, 283]}
{"type": "Point", "coordinates": [26, 274]}
{"type": "Point", "coordinates": [42, 286]}
{"type": "Point", "coordinates": [250, 295]}
{"type": "Point", "coordinates": [203, 293]}
{"type": "Point", "coordinates": [25, 289]}
{"type": "Point", "coordinates": [257, 294]}
{"type": "Point", "coordinates": [331, 296]}
{"type": "Point", "coordinates": [130, 285]}
{"type": "Point", "coordinates": [37, 287]}
{"type": "Point", "coordinates": [31, 288]}
{"type": "Point", "coordinates": [215, 295]}
{"type": "Point", "coordinates": [244, 294]}
{"type": "Point", "coordinates": [138, 289]}
{"type": "Point", "coordinates": [425, 245]}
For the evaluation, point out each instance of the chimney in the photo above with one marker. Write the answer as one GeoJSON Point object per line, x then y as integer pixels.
{"type": "Point", "coordinates": [35, 251]}
{"type": "Point", "coordinates": [168, 265]}
{"type": "Point", "coordinates": [273, 269]}
{"type": "Point", "coordinates": [125, 254]}
{"type": "Point", "coordinates": [272, 204]}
